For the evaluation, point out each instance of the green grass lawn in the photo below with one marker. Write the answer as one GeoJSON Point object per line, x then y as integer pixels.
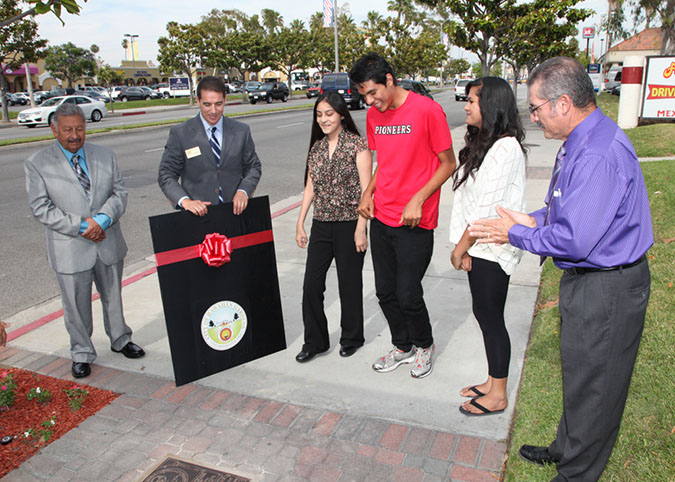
{"type": "Point", "coordinates": [645, 449]}
{"type": "Point", "coordinates": [656, 140]}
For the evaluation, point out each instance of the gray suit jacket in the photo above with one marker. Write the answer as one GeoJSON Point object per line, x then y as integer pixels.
{"type": "Point", "coordinates": [188, 156]}
{"type": "Point", "coordinates": [58, 201]}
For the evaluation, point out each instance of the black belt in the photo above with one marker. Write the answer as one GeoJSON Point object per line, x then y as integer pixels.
{"type": "Point", "coordinates": [594, 270]}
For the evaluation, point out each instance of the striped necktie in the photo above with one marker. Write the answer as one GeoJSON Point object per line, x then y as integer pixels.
{"type": "Point", "coordinates": [215, 147]}
{"type": "Point", "coordinates": [554, 180]}
{"type": "Point", "coordinates": [81, 175]}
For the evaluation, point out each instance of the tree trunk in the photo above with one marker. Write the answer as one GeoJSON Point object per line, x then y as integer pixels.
{"type": "Point", "coordinates": [3, 91]}
{"type": "Point", "coordinates": [668, 22]}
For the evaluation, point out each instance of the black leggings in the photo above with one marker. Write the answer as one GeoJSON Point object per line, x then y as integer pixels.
{"type": "Point", "coordinates": [489, 286]}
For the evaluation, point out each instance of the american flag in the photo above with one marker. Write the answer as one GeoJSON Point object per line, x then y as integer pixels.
{"type": "Point", "coordinates": [327, 13]}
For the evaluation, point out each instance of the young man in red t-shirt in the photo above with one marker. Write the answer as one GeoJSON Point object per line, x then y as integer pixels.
{"type": "Point", "coordinates": [414, 158]}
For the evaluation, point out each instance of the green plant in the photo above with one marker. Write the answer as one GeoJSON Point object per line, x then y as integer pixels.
{"type": "Point", "coordinates": [7, 390]}
{"type": "Point", "coordinates": [39, 394]}
{"type": "Point", "coordinates": [76, 397]}
{"type": "Point", "coordinates": [42, 434]}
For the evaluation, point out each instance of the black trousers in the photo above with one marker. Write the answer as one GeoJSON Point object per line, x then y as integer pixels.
{"type": "Point", "coordinates": [602, 317]}
{"type": "Point", "coordinates": [400, 258]}
{"type": "Point", "coordinates": [489, 286]}
{"type": "Point", "coordinates": [328, 241]}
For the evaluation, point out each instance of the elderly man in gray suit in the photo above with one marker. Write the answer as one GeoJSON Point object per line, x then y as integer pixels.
{"type": "Point", "coordinates": [76, 191]}
{"type": "Point", "coordinates": [213, 156]}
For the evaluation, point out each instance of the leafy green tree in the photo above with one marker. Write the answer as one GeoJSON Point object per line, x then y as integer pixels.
{"type": "Point", "coordinates": [290, 49]}
{"type": "Point", "coordinates": [181, 50]}
{"type": "Point", "coordinates": [497, 69]}
{"type": "Point", "coordinates": [19, 44]}
{"type": "Point", "coordinates": [457, 67]}
{"type": "Point", "coordinates": [643, 12]}
{"type": "Point", "coordinates": [321, 42]}
{"type": "Point", "coordinates": [271, 20]}
{"type": "Point", "coordinates": [110, 77]}
{"type": "Point", "coordinates": [476, 69]}
{"type": "Point", "coordinates": [42, 7]}
{"type": "Point", "coordinates": [69, 62]}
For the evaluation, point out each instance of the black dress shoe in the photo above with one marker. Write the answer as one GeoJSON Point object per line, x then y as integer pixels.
{"type": "Point", "coordinates": [130, 350]}
{"type": "Point", "coordinates": [304, 356]}
{"type": "Point", "coordinates": [537, 455]}
{"type": "Point", "coordinates": [346, 351]}
{"type": "Point", "coordinates": [80, 369]}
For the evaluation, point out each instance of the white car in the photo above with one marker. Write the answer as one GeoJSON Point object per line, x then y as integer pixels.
{"type": "Point", "coordinates": [460, 89]}
{"type": "Point", "coordinates": [93, 109]}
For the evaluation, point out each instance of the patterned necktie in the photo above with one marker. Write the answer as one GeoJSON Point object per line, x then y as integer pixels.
{"type": "Point", "coordinates": [554, 180]}
{"type": "Point", "coordinates": [81, 175]}
{"type": "Point", "coordinates": [215, 147]}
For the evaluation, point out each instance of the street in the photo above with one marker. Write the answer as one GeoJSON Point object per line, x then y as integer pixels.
{"type": "Point", "coordinates": [282, 141]}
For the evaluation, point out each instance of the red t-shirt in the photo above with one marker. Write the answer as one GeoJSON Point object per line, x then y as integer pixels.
{"type": "Point", "coordinates": [407, 141]}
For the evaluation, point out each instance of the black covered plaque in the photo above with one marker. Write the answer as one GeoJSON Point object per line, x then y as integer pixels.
{"type": "Point", "coordinates": [218, 317]}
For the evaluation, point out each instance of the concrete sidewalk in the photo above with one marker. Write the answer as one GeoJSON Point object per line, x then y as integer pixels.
{"type": "Point", "coordinates": [275, 419]}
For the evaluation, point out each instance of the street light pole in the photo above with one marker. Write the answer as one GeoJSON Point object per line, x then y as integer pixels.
{"type": "Point", "coordinates": [133, 54]}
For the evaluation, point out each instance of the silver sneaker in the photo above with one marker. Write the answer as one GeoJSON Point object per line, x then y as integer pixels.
{"type": "Point", "coordinates": [422, 366]}
{"type": "Point", "coordinates": [393, 359]}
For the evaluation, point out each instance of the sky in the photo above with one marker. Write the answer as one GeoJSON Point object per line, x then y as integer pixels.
{"type": "Point", "coordinates": [104, 22]}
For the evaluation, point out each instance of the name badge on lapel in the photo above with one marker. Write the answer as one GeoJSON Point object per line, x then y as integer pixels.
{"type": "Point", "coordinates": [194, 152]}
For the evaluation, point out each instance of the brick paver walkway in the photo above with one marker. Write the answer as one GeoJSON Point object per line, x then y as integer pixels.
{"type": "Point", "coordinates": [250, 436]}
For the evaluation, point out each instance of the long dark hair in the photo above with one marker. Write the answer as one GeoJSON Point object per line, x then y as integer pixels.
{"type": "Point", "coordinates": [499, 114]}
{"type": "Point", "coordinates": [336, 101]}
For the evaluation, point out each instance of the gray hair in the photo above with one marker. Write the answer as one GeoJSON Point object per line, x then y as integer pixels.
{"type": "Point", "coordinates": [67, 109]}
{"type": "Point", "coordinates": [563, 75]}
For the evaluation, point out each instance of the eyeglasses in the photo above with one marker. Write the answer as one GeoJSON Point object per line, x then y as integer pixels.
{"type": "Point", "coordinates": [535, 109]}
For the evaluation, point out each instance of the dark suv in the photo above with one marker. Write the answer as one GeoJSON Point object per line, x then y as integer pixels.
{"type": "Point", "coordinates": [345, 86]}
{"type": "Point", "coordinates": [268, 92]}
{"type": "Point", "coordinates": [415, 86]}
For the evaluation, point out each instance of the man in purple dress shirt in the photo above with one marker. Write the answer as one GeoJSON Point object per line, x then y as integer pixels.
{"type": "Point", "coordinates": [597, 228]}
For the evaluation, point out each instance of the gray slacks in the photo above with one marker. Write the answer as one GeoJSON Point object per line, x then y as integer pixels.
{"type": "Point", "coordinates": [602, 317]}
{"type": "Point", "coordinates": [76, 299]}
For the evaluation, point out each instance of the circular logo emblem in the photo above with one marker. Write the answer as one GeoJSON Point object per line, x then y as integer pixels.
{"type": "Point", "coordinates": [224, 325]}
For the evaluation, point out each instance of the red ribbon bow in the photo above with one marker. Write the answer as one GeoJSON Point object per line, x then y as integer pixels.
{"type": "Point", "coordinates": [215, 250]}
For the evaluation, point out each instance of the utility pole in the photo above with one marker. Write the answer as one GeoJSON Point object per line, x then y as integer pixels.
{"type": "Point", "coordinates": [133, 54]}
{"type": "Point", "coordinates": [335, 29]}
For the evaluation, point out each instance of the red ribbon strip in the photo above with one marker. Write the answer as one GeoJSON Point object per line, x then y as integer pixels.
{"type": "Point", "coordinates": [215, 250]}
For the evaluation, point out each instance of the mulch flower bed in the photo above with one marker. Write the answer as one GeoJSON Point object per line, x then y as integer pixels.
{"type": "Point", "coordinates": [34, 424]}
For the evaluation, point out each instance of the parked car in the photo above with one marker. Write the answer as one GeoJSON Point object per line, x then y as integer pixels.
{"type": "Point", "coordinates": [300, 85]}
{"type": "Point", "coordinates": [93, 109]}
{"type": "Point", "coordinates": [460, 89]}
{"type": "Point", "coordinates": [19, 100]}
{"type": "Point", "coordinates": [613, 78]}
{"type": "Point", "coordinates": [137, 93]}
{"type": "Point", "coordinates": [22, 95]}
{"type": "Point", "coordinates": [103, 97]}
{"type": "Point", "coordinates": [252, 85]}
{"type": "Point", "coordinates": [232, 88]}
{"type": "Point", "coordinates": [268, 92]}
{"type": "Point", "coordinates": [313, 91]}
{"type": "Point", "coordinates": [346, 87]}
{"type": "Point", "coordinates": [415, 86]}
{"type": "Point", "coordinates": [616, 90]}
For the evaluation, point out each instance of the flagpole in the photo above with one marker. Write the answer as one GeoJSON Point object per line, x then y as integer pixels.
{"type": "Point", "coordinates": [335, 28]}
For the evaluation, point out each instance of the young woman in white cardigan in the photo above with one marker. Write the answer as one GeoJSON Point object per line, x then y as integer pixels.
{"type": "Point", "coordinates": [491, 173]}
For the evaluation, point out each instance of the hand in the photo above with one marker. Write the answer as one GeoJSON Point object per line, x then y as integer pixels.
{"type": "Point", "coordinates": [239, 202]}
{"type": "Point", "coordinates": [466, 262]}
{"type": "Point", "coordinates": [94, 232]}
{"type": "Point", "coordinates": [366, 206]}
{"type": "Point", "coordinates": [361, 240]}
{"type": "Point", "coordinates": [301, 237]}
{"type": "Point", "coordinates": [412, 213]}
{"type": "Point", "coordinates": [497, 230]}
{"type": "Point", "coordinates": [456, 259]}
{"type": "Point", "coordinates": [196, 207]}
{"type": "Point", "coordinates": [3, 333]}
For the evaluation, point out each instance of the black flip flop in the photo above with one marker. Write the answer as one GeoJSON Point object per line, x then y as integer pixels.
{"type": "Point", "coordinates": [479, 407]}
{"type": "Point", "coordinates": [477, 392]}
